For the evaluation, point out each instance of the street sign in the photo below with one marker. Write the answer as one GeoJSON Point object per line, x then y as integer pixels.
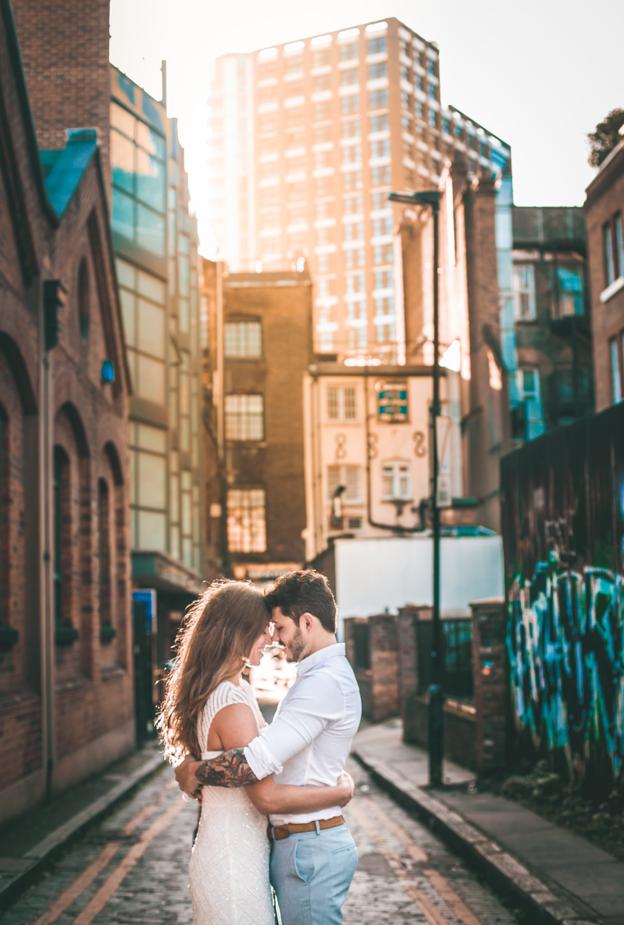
{"type": "Point", "coordinates": [146, 598]}
{"type": "Point", "coordinates": [392, 403]}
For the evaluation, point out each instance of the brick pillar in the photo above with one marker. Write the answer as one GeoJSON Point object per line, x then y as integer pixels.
{"type": "Point", "coordinates": [408, 649]}
{"type": "Point", "coordinates": [409, 680]}
{"type": "Point", "coordinates": [385, 667]}
{"type": "Point", "coordinates": [490, 683]}
{"type": "Point", "coordinates": [65, 52]}
{"type": "Point", "coordinates": [487, 431]}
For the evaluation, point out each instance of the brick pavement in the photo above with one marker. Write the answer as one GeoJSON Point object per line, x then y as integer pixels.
{"type": "Point", "coordinates": [132, 868]}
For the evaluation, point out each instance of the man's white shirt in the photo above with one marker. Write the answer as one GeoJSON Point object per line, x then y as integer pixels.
{"type": "Point", "coordinates": [309, 740]}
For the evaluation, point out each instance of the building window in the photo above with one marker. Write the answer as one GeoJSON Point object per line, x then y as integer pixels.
{"type": "Point", "coordinates": [378, 99]}
{"type": "Point", "coordinates": [613, 249]}
{"type": "Point", "coordinates": [347, 476]}
{"type": "Point", "coordinates": [380, 175]}
{"type": "Point", "coordinates": [341, 403]}
{"type": "Point", "coordinates": [378, 123]}
{"type": "Point", "coordinates": [84, 296]}
{"type": "Point", "coordinates": [376, 46]}
{"type": "Point", "coordinates": [246, 520]}
{"type": "Point", "coordinates": [138, 155]}
{"type": "Point", "coordinates": [104, 553]}
{"type": "Point", "coordinates": [569, 296]}
{"type": "Point", "coordinates": [349, 76]}
{"type": "Point", "coordinates": [383, 253]}
{"type": "Point", "coordinates": [524, 292]}
{"type": "Point", "coordinates": [396, 481]}
{"type": "Point", "coordinates": [617, 389]}
{"type": "Point", "coordinates": [243, 339]}
{"type": "Point", "coordinates": [349, 52]}
{"type": "Point", "coordinates": [4, 516]}
{"type": "Point", "coordinates": [530, 394]}
{"type": "Point", "coordinates": [354, 257]}
{"type": "Point", "coordinates": [244, 417]}
{"type": "Point", "coordinates": [382, 227]}
{"type": "Point", "coordinates": [143, 300]}
{"type": "Point", "coordinates": [377, 70]}
{"type": "Point", "coordinates": [62, 536]}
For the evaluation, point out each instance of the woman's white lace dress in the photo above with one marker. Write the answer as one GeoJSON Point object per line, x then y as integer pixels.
{"type": "Point", "coordinates": [229, 869]}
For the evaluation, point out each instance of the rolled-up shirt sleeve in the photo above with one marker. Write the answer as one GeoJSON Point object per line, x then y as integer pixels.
{"type": "Point", "coordinates": [312, 704]}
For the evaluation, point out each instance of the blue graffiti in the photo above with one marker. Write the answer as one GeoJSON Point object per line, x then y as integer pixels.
{"type": "Point", "coordinates": [565, 642]}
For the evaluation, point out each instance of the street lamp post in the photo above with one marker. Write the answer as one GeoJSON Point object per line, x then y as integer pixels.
{"type": "Point", "coordinates": [431, 198]}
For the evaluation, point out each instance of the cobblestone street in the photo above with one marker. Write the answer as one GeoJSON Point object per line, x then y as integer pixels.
{"type": "Point", "coordinates": [132, 868]}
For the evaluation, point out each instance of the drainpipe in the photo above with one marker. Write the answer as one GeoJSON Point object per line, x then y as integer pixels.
{"type": "Point", "coordinates": [53, 298]}
{"type": "Point", "coordinates": [219, 395]}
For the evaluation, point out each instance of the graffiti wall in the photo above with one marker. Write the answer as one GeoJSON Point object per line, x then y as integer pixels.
{"type": "Point", "coordinates": [563, 534]}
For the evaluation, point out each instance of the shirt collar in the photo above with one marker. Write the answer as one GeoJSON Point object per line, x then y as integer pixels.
{"type": "Point", "coordinates": [320, 657]}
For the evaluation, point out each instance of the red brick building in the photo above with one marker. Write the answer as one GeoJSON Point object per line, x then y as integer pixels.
{"type": "Point", "coordinates": [261, 347]}
{"type": "Point", "coordinates": [604, 216]}
{"type": "Point", "coordinates": [66, 689]}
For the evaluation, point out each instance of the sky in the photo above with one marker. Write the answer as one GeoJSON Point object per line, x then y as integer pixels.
{"type": "Point", "coordinates": [538, 73]}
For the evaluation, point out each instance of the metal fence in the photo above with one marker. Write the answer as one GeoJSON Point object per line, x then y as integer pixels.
{"type": "Point", "coordinates": [457, 642]}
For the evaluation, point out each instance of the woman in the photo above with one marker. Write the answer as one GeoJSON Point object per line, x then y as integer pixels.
{"type": "Point", "coordinates": [209, 708]}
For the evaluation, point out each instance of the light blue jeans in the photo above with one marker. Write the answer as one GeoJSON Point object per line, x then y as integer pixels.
{"type": "Point", "coordinates": [311, 873]}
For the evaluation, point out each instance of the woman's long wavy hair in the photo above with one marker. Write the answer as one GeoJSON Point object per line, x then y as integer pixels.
{"type": "Point", "coordinates": [216, 637]}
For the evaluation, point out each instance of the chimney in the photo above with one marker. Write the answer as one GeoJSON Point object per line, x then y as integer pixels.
{"type": "Point", "coordinates": [65, 52]}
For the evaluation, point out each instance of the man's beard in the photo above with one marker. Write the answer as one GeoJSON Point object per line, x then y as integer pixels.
{"type": "Point", "coordinates": [296, 647]}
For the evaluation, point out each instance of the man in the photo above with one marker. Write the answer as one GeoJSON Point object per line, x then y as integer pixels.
{"type": "Point", "coordinates": [313, 856]}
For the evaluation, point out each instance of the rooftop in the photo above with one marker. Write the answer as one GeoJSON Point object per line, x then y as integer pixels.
{"type": "Point", "coordinates": [64, 168]}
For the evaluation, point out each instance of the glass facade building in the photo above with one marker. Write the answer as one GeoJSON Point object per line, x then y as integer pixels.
{"type": "Point", "coordinates": [155, 241]}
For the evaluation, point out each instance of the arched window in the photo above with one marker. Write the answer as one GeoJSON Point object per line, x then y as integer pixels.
{"type": "Point", "coordinates": [62, 537]}
{"type": "Point", "coordinates": [104, 553]}
{"type": "Point", "coordinates": [84, 299]}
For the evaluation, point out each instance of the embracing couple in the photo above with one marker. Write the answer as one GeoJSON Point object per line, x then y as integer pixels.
{"type": "Point", "coordinates": [243, 770]}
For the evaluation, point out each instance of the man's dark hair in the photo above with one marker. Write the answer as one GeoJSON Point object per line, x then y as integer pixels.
{"type": "Point", "coordinates": [302, 592]}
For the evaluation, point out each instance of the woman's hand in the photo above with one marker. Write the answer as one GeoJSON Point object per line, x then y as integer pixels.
{"type": "Point", "coordinates": [346, 788]}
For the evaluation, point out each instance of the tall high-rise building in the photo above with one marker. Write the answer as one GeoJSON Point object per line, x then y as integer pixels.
{"type": "Point", "coordinates": [307, 140]}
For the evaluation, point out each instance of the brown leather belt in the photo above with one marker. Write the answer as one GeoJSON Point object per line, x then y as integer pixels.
{"type": "Point", "coordinates": [277, 832]}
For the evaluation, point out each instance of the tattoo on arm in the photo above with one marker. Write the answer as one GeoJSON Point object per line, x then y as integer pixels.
{"type": "Point", "coordinates": [228, 770]}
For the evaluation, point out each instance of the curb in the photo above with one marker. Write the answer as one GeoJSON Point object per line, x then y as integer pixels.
{"type": "Point", "coordinates": [30, 865]}
{"type": "Point", "coordinates": [546, 903]}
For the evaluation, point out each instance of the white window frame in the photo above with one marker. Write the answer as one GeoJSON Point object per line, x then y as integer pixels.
{"type": "Point", "coordinates": [242, 412]}
{"type": "Point", "coordinates": [342, 403]}
{"type": "Point", "coordinates": [243, 338]}
{"type": "Point", "coordinates": [525, 305]}
{"type": "Point", "coordinates": [246, 531]}
{"type": "Point", "coordinates": [350, 476]}
{"type": "Point", "coordinates": [396, 480]}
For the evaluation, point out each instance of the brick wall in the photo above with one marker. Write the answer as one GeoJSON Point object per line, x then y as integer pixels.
{"type": "Point", "coordinates": [93, 689]}
{"type": "Point", "coordinates": [409, 682]}
{"type": "Point", "coordinates": [378, 680]}
{"type": "Point", "coordinates": [487, 420]}
{"type": "Point", "coordinates": [605, 197]}
{"type": "Point", "coordinates": [65, 52]}
{"type": "Point", "coordinates": [282, 303]}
